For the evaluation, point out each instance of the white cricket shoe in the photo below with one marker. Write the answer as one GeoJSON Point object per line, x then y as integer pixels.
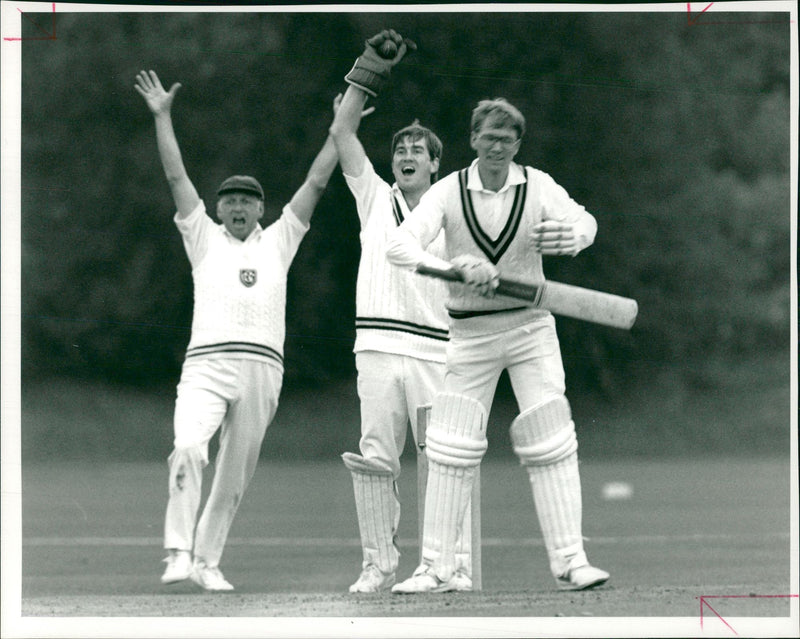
{"type": "Point", "coordinates": [179, 566]}
{"type": "Point", "coordinates": [209, 578]}
{"type": "Point", "coordinates": [372, 579]}
{"type": "Point", "coordinates": [425, 580]}
{"type": "Point", "coordinates": [582, 578]}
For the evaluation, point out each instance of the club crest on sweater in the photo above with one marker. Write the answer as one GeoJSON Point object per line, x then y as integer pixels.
{"type": "Point", "coordinates": [247, 276]}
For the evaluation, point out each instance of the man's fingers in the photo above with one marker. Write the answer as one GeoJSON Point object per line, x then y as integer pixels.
{"type": "Point", "coordinates": [554, 237]}
{"type": "Point", "coordinates": [378, 39]}
{"type": "Point", "coordinates": [154, 79]}
{"type": "Point", "coordinates": [143, 79]}
{"type": "Point", "coordinates": [551, 226]}
{"type": "Point", "coordinates": [401, 51]}
{"type": "Point", "coordinates": [557, 250]}
{"type": "Point", "coordinates": [367, 111]}
{"type": "Point", "coordinates": [555, 244]}
{"type": "Point", "coordinates": [406, 46]}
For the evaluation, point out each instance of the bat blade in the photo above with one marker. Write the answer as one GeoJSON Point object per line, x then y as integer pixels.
{"type": "Point", "coordinates": [562, 299]}
{"type": "Point", "coordinates": [589, 305]}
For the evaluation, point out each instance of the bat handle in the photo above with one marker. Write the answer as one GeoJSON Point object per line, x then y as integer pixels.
{"type": "Point", "coordinates": [509, 288]}
{"type": "Point", "coordinates": [449, 274]}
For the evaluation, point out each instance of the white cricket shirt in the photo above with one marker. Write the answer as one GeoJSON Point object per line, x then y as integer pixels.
{"type": "Point", "coordinates": [495, 225]}
{"type": "Point", "coordinates": [239, 286]}
{"type": "Point", "coordinates": [397, 310]}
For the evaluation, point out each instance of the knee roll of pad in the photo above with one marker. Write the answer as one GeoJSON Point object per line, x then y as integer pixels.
{"type": "Point", "coordinates": [457, 432]}
{"type": "Point", "coordinates": [544, 434]}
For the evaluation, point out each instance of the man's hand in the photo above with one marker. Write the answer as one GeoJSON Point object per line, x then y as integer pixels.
{"type": "Point", "coordinates": [149, 87]}
{"type": "Point", "coordinates": [479, 274]}
{"type": "Point", "coordinates": [371, 71]}
{"type": "Point", "coordinates": [338, 100]}
{"type": "Point", "coordinates": [555, 238]}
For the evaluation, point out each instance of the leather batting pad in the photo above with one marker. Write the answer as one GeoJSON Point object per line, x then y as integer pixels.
{"type": "Point", "coordinates": [544, 439]}
{"type": "Point", "coordinates": [378, 511]}
{"type": "Point", "coordinates": [456, 443]}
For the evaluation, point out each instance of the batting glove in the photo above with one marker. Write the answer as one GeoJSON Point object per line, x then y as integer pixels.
{"type": "Point", "coordinates": [479, 274]}
{"type": "Point", "coordinates": [371, 71]}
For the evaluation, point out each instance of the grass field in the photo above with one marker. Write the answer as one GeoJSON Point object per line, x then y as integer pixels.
{"type": "Point", "coordinates": [91, 548]}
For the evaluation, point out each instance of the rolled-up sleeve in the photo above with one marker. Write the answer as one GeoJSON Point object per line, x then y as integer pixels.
{"type": "Point", "coordinates": [194, 229]}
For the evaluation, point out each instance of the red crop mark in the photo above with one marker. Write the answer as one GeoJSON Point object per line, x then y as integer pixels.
{"type": "Point", "coordinates": [689, 11]}
{"type": "Point", "coordinates": [704, 604]}
{"type": "Point", "coordinates": [46, 36]}
{"type": "Point", "coordinates": [695, 21]}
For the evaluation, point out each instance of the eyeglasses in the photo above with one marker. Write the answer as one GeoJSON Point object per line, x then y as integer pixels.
{"type": "Point", "coordinates": [489, 139]}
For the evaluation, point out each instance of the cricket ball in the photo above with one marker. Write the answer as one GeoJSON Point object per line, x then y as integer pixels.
{"type": "Point", "coordinates": [388, 49]}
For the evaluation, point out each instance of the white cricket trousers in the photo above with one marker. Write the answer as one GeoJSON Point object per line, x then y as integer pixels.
{"type": "Point", "coordinates": [390, 388]}
{"type": "Point", "coordinates": [241, 397]}
{"type": "Point", "coordinates": [529, 352]}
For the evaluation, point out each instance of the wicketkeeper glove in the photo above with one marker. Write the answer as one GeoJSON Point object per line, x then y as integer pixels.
{"type": "Point", "coordinates": [371, 71]}
{"type": "Point", "coordinates": [479, 274]}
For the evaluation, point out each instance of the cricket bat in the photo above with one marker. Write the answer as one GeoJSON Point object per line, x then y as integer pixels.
{"type": "Point", "coordinates": [562, 299]}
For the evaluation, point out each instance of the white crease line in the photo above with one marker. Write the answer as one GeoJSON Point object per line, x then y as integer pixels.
{"type": "Point", "coordinates": [498, 542]}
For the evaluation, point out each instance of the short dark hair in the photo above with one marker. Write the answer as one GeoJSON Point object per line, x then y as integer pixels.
{"type": "Point", "coordinates": [416, 131]}
{"type": "Point", "coordinates": [500, 111]}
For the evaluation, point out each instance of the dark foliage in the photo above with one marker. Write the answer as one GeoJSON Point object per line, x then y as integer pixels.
{"type": "Point", "coordinates": [675, 137]}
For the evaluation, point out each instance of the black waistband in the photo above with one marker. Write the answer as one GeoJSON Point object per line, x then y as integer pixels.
{"type": "Point", "coordinates": [468, 314]}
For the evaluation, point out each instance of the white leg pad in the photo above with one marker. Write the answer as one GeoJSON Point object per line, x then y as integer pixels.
{"type": "Point", "coordinates": [456, 443]}
{"type": "Point", "coordinates": [378, 510]}
{"type": "Point", "coordinates": [544, 439]}
{"type": "Point", "coordinates": [464, 543]}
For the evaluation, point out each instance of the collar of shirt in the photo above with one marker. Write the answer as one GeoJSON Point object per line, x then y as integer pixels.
{"type": "Point", "coordinates": [396, 192]}
{"type": "Point", "coordinates": [254, 234]}
{"type": "Point", "coordinates": [515, 176]}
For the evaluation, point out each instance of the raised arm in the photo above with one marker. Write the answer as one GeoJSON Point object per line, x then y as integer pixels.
{"type": "Point", "coordinates": [308, 195]}
{"type": "Point", "coordinates": [305, 200]}
{"type": "Point", "coordinates": [159, 102]}
{"type": "Point", "coordinates": [368, 76]}
{"type": "Point", "coordinates": [344, 129]}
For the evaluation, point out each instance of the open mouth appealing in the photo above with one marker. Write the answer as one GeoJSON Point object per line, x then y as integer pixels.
{"type": "Point", "coordinates": [408, 170]}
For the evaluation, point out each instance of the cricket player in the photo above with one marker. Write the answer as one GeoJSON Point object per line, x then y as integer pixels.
{"type": "Point", "coordinates": [401, 325]}
{"type": "Point", "coordinates": [498, 217]}
{"type": "Point", "coordinates": [233, 371]}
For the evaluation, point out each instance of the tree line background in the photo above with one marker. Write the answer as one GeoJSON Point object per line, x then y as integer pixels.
{"type": "Point", "coordinates": [675, 136]}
